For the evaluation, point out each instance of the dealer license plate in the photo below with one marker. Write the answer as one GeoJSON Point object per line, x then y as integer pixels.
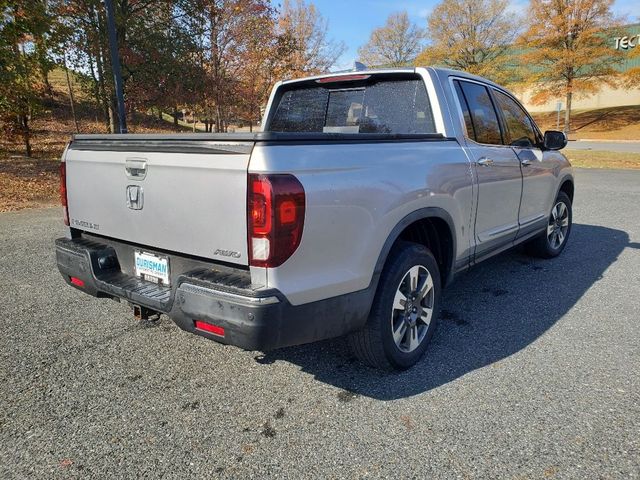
{"type": "Point", "coordinates": [153, 268]}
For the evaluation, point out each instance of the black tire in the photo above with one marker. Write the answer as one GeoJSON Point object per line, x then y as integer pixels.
{"type": "Point", "coordinates": [375, 344]}
{"type": "Point", "coordinates": [545, 245]}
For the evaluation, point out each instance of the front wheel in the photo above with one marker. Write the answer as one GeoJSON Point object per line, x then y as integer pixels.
{"type": "Point", "coordinates": [404, 312]}
{"type": "Point", "coordinates": [552, 242]}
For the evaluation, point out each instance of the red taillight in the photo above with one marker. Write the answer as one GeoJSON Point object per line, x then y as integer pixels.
{"type": "Point", "coordinates": [207, 327]}
{"type": "Point", "coordinates": [77, 282]}
{"type": "Point", "coordinates": [63, 192]}
{"type": "Point", "coordinates": [275, 217]}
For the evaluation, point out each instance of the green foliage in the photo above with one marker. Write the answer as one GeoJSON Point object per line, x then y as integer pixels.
{"type": "Point", "coordinates": [24, 25]}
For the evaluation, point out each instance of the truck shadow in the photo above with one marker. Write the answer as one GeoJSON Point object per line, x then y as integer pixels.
{"type": "Point", "coordinates": [489, 313]}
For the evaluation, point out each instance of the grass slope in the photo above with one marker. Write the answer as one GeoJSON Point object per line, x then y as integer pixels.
{"type": "Point", "coordinates": [598, 159]}
{"type": "Point", "coordinates": [614, 123]}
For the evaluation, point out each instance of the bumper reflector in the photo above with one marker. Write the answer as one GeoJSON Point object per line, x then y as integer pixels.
{"type": "Point", "coordinates": [77, 282]}
{"type": "Point", "coordinates": [207, 327]}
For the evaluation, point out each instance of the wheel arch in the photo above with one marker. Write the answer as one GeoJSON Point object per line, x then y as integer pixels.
{"type": "Point", "coordinates": [432, 227]}
{"type": "Point", "coordinates": [567, 186]}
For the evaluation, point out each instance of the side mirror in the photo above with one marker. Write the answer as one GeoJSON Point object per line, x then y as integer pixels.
{"type": "Point", "coordinates": [554, 140]}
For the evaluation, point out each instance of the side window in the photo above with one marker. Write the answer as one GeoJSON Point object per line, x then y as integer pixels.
{"type": "Point", "coordinates": [483, 116]}
{"type": "Point", "coordinates": [465, 110]}
{"type": "Point", "coordinates": [520, 130]}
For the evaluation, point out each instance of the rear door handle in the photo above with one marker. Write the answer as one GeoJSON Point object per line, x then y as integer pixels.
{"type": "Point", "coordinates": [485, 162]}
{"type": "Point", "coordinates": [526, 163]}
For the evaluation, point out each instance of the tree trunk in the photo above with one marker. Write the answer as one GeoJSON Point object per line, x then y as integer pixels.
{"type": "Point", "coordinates": [175, 117]}
{"type": "Point", "coordinates": [102, 93]}
{"type": "Point", "coordinates": [103, 67]}
{"type": "Point", "coordinates": [23, 120]}
{"type": "Point", "coordinates": [113, 119]}
{"type": "Point", "coordinates": [218, 118]}
{"type": "Point", "coordinates": [567, 111]}
{"type": "Point", "coordinates": [94, 77]}
{"type": "Point", "coordinates": [73, 107]}
{"type": "Point", "coordinates": [47, 85]}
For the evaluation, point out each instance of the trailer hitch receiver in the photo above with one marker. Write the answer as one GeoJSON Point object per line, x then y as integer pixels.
{"type": "Point", "coordinates": [144, 313]}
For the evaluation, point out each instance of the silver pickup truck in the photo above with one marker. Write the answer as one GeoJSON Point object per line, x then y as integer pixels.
{"type": "Point", "coordinates": [366, 193]}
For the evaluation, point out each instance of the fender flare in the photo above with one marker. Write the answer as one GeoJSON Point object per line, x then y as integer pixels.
{"type": "Point", "coordinates": [562, 181]}
{"type": "Point", "coordinates": [421, 214]}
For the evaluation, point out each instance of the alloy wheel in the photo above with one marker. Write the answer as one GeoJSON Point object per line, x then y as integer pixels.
{"type": "Point", "coordinates": [558, 225]}
{"type": "Point", "coordinates": [412, 309]}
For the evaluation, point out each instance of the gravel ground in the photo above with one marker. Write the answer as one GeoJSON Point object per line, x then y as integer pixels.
{"type": "Point", "coordinates": [534, 372]}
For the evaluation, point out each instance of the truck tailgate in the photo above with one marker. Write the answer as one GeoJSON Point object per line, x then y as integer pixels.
{"type": "Point", "coordinates": [190, 201]}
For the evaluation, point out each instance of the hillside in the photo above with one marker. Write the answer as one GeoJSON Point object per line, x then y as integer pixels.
{"type": "Point", "coordinates": [30, 182]}
{"type": "Point", "coordinates": [615, 123]}
{"type": "Point", "coordinates": [53, 126]}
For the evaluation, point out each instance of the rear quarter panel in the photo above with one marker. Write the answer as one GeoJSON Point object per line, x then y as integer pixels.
{"type": "Point", "coordinates": [356, 194]}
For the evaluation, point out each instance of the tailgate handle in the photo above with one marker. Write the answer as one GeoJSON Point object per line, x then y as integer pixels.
{"type": "Point", "coordinates": [136, 168]}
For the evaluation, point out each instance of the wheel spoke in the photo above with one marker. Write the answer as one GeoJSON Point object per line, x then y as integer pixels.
{"type": "Point", "coordinates": [414, 276]}
{"type": "Point", "coordinates": [413, 338]}
{"type": "Point", "coordinates": [399, 301]}
{"type": "Point", "coordinates": [399, 333]}
{"type": "Point", "coordinates": [550, 229]}
{"type": "Point", "coordinates": [560, 237]}
{"type": "Point", "coordinates": [425, 316]}
{"type": "Point", "coordinates": [565, 221]}
{"type": "Point", "coordinates": [426, 286]}
{"type": "Point", "coordinates": [554, 212]}
{"type": "Point", "coordinates": [562, 209]}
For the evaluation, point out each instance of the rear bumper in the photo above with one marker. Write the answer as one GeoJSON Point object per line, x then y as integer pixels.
{"type": "Point", "coordinates": [253, 319]}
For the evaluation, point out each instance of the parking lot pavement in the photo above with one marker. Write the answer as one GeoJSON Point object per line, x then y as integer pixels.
{"type": "Point", "coordinates": [534, 372]}
{"type": "Point", "coordinates": [611, 146]}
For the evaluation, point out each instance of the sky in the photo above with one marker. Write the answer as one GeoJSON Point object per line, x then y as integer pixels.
{"type": "Point", "coordinates": [351, 21]}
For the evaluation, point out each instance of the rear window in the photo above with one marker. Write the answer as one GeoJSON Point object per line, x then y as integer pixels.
{"type": "Point", "coordinates": [386, 106]}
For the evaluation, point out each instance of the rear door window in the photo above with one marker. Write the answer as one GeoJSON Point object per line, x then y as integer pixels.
{"type": "Point", "coordinates": [466, 114]}
{"type": "Point", "coordinates": [386, 106]}
{"type": "Point", "coordinates": [484, 119]}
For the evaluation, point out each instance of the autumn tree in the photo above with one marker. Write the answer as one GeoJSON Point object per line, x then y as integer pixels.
{"type": "Point", "coordinates": [472, 35]}
{"type": "Point", "coordinates": [217, 58]}
{"type": "Point", "coordinates": [86, 49]}
{"type": "Point", "coordinates": [224, 32]}
{"type": "Point", "coordinates": [267, 60]}
{"type": "Point", "coordinates": [568, 52]}
{"type": "Point", "coordinates": [395, 44]}
{"type": "Point", "coordinates": [22, 23]}
{"type": "Point", "coordinates": [314, 51]}
{"type": "Point", "coordinates": [158, 56]}
{"type": "Point", "coordinates": [632, 76]}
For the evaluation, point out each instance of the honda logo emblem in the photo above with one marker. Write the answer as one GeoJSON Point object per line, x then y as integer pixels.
{"type": "Point", "coordinates": [135, 197]}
